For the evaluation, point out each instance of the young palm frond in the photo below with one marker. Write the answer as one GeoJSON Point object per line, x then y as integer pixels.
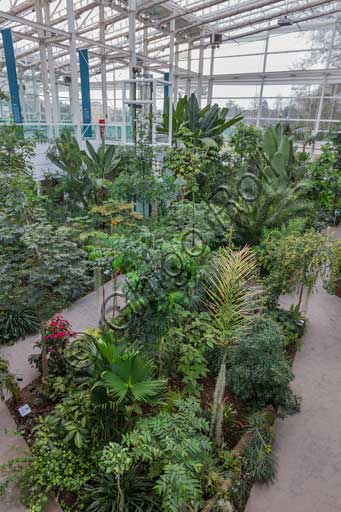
{"type": "Point", "coordinates": [232, 298]}
{"type": "Point", "coordinates": [231, 291]}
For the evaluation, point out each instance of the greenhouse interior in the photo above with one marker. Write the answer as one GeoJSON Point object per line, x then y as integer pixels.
{"type": "Point", "coordinates": [170, 249]}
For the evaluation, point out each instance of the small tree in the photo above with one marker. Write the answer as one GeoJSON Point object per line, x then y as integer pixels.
{"type": "Point", "coordinates": [296, 262]}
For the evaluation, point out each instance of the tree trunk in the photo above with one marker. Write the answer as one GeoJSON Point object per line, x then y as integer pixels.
{"type": "Point", "coordinates": [300, 298]}
{"type": "Point", "coordinates": [44, 361]}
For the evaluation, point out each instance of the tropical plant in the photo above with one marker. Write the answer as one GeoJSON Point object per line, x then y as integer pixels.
{"type": "Point", "coordinates": [203, 124]}
{"type": "Point", "coordinates": [231, 298]}
{"type": "Point", "coordinates": [186, 347]}
{"type": "Point", "coordinates": [294, 262]}
{"type": "Point", "coordinates": [272, 193]}
{"type": "Point", "coordinates": [56, 338]}
{"type": "Point", "coordinates": [333, 278]}
{"type": "Point", "coordinates": [137, 490]}
{"type": "Point", "coordinates": [324, 182]}
{"type": "Point", "coordinates": [74, 180]}
{"type": "Point", "coordinates": [260, 463]}
{"type": "Point", "coordinates": [100, 166]}
{"type": "Point", "coordinates": [258, 369]}
{"type": "Point", "coordinates": [173, 448]}
{"type": "Point", "coordinates": [130, 381]}
{"type": "Point", "coordinates": [16, 322]}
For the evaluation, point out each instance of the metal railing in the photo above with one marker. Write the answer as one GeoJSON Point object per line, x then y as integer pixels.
{"type": "Point", "coordinates": [116, 133]}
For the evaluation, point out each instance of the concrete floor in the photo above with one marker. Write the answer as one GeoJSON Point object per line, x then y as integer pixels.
{"type": "Point", "coordinates": [308, 445]}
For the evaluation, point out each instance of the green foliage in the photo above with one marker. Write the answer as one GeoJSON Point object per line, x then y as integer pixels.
{"type": "Point", "coordinates": [245, 140]}
{"type": "Point", "coordinates": [130, 381]}
{"type": "Point", "coordinates": [293, 261]}
{"type": "Point", "coordinates": [40, 267]}
{"type": "Point", "coordinates": [53, 467]}
{"type": "Point", "coordinates": [260, 464]}
{"type": "Point", "coordinates": [257, 367]}
{"type": "Point", "coordinates": [103, 495]}
{"type": "Point", "coordinates": [186, 348]}
{"type": "Point", "coordinates": [86, 176]}
{"type": "Point", "coordinates": [232, 298]}
{"type": "Point", "coordinates": [100, 167]}
{"type": "Point", "coordinates": [279, 150]}
{"type": "Point", "coordinates": [203, 124]}
{"type": "Point", "coordinates": [7, 381]}
{"type": "Point", "coordinates": [291, 322]}
{"type": "Point", "coordinates": [324, 181]}
{"type": "Point", "coordinates": [333, 277]}
{"type": "Point", "coordinates": [74, 180]}
{"type": "Point", "coordinates": [16, 322]}
{"type": "Point", "coordinates": [272, 193]}
{"type": "Point", "coordinates": [141, 181]}
{"type": "Point", "coordinates": [173, 447]}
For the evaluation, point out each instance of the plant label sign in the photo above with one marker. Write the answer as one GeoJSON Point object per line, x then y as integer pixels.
{"type": "Point", "coordinates": [24, 410]}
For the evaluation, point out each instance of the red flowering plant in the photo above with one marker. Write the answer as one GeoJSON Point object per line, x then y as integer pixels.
{"type": "Point", "coordinates": [57, 336]}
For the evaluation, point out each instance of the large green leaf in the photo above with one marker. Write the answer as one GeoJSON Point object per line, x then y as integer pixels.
{"type": "Point", "coordinates": [193, 112]}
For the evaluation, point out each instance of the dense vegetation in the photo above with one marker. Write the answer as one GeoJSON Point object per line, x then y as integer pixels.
{"type": "Point", "coordinates": [148, 407]}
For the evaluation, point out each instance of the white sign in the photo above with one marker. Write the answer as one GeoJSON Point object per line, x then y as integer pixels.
{"type": "Point", "coordinates": [24, 410]}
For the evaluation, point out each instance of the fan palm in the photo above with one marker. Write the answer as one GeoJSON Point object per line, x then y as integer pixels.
{"type": "Point", "coordinates": [232, 297]}
{"type": "Point", "coordinates": [131, 381]}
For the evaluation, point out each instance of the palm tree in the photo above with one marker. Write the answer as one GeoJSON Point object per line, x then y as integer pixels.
{"type": "Point", "coordinates": [232, 297]}
{"type": "Point", "coordinates": [130, 381]}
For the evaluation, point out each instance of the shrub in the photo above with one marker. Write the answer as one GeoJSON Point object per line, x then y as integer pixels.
{"type": "Point", "coordinates": [16, 322]}
{"type": "Point", "coordinates": [57, 335]}
{"type": "Point", "coordinates": [258, 368]}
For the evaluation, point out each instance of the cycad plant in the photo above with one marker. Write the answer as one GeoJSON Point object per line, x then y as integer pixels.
{"type": "Point", "coordinates": [274, 196]}
{"type": "Point", "coordinates": [100, 166]}
{"type": "Point", "coordinates": [232, 297]}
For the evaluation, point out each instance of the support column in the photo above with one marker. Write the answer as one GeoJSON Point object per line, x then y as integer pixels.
{"type": "Point", "coordinates": [36, 100]}
{"type": "Point", "coordinates": [52, 75]}
{"type": "Point", "coordinates": [132, 62]}
{"type": "Point", "coordinates": [103, 64]}
{"type": "Point", "coordinates": [189, 65]}
{"type": "Point", "coordinates": [12, 75]}
{"type": "Point", "coordinates": [259, 111]}
{"type": "Point", "coordinates": [175, 79]}
{"type": "Point", "coordinates": [132, 46]}
{"type": "Point", "coordinates": [210, 82]}
{"type": "Point", "coordinates": [201, 71]}
{"type": "Point", "coordinates": [44, 70]}
{"type": "Point", "coordinates": [85, 88]}
{"type": "Point", "coordinates": [73, 68]}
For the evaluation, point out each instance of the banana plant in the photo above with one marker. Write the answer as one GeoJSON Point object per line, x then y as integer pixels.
{"type": "Point", "coordinates": [205, 125]}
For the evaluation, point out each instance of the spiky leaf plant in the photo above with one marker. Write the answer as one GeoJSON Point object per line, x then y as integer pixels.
{"type": "Point", "coordinates": [232, 297]}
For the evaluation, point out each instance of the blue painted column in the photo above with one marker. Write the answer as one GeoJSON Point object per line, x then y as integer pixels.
{"type": "Point", "coordinates": [165, 91]}
{"type": "Point", "coordinates": [12, 74]}
{"type": "Point", "coordinates": [85, 88]}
